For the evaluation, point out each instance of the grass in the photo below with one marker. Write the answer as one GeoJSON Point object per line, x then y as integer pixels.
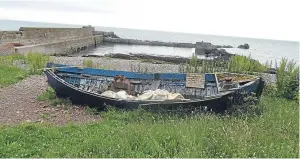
{"type": "Point", "coordinates": [11, 70]}
{"type": "Point", "coordinates": [141, 134]}
{"type": "Point", "coordinates": [10, 75]}
{"type": "Point", "coordinates": [50, 96]}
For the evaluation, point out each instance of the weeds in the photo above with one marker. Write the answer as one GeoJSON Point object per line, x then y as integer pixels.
{"type": "Point", "coordinates": [32, 62]}
{"type": "Point", "coordinates": [243, 64]}
{"type": "Point", "coordinates": [88, 63]}
{"type": "Point", "coordinates": [287, 80]}
{"type": "Point", "coordinates": [196, 65]}
{"type": "Point", "coordinates": [91, 111]}
{"type": "Point", "coordinates": [50, 96]}
{"type": "Point", "coordinates": [249, 108]}
{"type": "Point", "coordinates": [37, 62]}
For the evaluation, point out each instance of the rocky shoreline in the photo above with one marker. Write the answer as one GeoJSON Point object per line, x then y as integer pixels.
{"type": "Point", "coordinates": [147, 42]}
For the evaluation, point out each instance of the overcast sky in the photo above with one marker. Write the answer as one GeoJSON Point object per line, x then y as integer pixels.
{"type": "Point", "coordinates": [274, 19]}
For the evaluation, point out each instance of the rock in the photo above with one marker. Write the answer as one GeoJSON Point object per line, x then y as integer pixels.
{"type": "Point", "coordinates": [208, 49]}
{"type": "Point", "coordinates": [224, 46]}
{"type": "Point", "coordinates": [245, 46]}
{"type": "Point", "coordinates": [204, 48]}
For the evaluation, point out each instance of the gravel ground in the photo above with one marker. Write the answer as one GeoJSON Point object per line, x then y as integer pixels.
{"type": "Point", "coordinates": [18, 104]}
{"type": "Point", "coordinates": [6, 49]}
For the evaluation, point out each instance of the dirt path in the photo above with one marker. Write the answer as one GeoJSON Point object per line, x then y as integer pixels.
{"type": "Point", "coordinates": [18, 104]}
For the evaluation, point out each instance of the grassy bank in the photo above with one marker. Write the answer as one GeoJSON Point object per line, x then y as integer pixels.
{"type": "Point", "coordinates": [16, 67]}
{"type": "Point", "coordinates": [140, 134]}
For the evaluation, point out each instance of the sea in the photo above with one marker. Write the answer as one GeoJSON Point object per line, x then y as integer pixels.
{"type": "Point", "coordinates": [263, 50]}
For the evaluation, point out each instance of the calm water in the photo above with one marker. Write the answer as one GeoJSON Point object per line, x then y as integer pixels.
{"type": "Point", "coordinates": [260, 49]}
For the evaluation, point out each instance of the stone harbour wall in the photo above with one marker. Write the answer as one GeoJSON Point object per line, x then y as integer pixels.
{"type": "Point", "coordinates": [52, 33]}
{"type": "Point", "coordinates": [48, 33]}
{"type": "Point", "coordinates": [48, 40]}
{"type": "Point", "coordinates": [62, 47]}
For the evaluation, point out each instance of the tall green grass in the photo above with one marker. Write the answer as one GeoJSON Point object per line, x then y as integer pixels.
{"type": "Point", "coordinates": [195, 65]}
{"type": "Point", "coordinates": [32, 62]}
{"type": "Point", "coordinates": [244, 64]}
{"type": "Point", "coordinates": [287, 80]}
{"type": "Point", "coordinates": [36, 62]}
{"type": "Point", "coordinates": [89, 63]}
{"type": "Point", "coordinates": [142, 134]}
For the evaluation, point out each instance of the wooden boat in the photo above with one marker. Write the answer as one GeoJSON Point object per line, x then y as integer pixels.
{"type": "Point", "coordinates": [201, 92]}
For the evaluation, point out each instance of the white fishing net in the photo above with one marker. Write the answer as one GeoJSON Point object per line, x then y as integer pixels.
{"type": "Point", "coordinates": [157, 94]}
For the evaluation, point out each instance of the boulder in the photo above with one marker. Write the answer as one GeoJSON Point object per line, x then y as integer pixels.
{"type": "Point", "coordinates": [245, 46]}
{"type": "Point", "coordinates": [204, 48]}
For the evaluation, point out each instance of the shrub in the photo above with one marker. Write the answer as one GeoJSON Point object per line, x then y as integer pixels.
{"type": "Point", "coordinates": [36, 62]}
{"type": "Point", "coordinates": [287, 79]}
